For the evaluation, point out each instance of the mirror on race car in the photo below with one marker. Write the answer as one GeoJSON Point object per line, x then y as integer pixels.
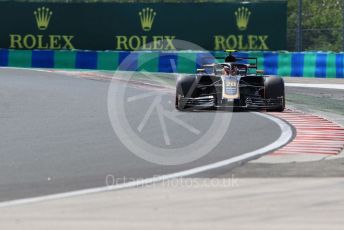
{"type": "Point", "coordinates": [260, 71]}
{"type": "Point", "coordinates": [200, 70]}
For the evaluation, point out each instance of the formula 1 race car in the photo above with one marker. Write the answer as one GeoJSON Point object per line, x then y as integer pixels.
{"type": "Point", "coordinates": [236, 84]}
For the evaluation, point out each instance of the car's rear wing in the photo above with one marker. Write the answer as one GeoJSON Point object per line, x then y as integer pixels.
{"type": "Point", "coordinates": [251, 62]}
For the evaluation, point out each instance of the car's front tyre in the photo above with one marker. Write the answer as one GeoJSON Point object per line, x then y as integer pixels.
{"type": "Point", "coordinates": [274, 89]}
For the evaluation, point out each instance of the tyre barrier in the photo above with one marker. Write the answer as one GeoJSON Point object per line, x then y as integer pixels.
{"type": "Point", "coordinates": [280, 63]}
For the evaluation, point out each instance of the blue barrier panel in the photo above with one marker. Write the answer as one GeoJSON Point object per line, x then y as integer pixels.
{"type": "Point", "coordinates": [42, 59]}
{"type": "Point", "coordinates": [297, 60]}
{"type": "Point", "coordinates": [3, 57]}
{"type": "Point", "coordinates": [204, 58]}
{"type": "Point", "coordinates": [340, 65]}
{"type": "Point", "coordinates": [298, 64]}
{"type": "Point", "coordinates": [168, 62]}
{"type": "Point", "coordinates": [270, 63]}
{"type": "Point", "coordinates": [320, 65]}
{"type": "Point", "coordinates": [128, 61]}
{"type": "Point", "coordinates": [86, 60]}
{"type": "Point", "coordinates": [242, 54]}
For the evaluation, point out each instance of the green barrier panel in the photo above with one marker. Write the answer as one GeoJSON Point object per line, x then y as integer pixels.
{"type": "Point", "coordinates": [219, 56]}
{"type": "Point", "coordinates": [284, 64]}
{"type": "Point", "coordinates": [107, 60]}
{"type": "Point", "coordinates": [260, 56]}
{"type": "Point", "coordinates": [312, 64]}
{"type": "Point", "coordinates": [187, 62]}
{"type": "Point", "coordinates": [65, 59]}
{"type": "Point", "coordinates": [309, 65]}
{"type": "Point", "coordinates": [20, 58]}
{"type": "Point", "coordinates": [148, 61]}
{"type": "Point", "coordinates": [331, 65]}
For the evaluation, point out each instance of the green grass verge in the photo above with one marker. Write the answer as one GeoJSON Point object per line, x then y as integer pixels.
{"type": "Point", "coordinates": [317, 103]}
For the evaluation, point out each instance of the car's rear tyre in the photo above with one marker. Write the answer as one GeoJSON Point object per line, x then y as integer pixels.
{"type": "Point", "coordinates": [274, 89]}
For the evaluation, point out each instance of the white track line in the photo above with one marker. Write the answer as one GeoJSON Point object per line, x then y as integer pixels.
{"type": "Point", "coordinates": [284, 138]}
{"type": "Point", "coordinates": [320, 86]}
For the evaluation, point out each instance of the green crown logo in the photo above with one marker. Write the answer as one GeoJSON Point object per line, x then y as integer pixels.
{"type": "Point", "coordinates": [42, 16]}
{"type": "Point", "coordinates": [147, 16]}
{"type": "Point", "coordinates": [242, 17]}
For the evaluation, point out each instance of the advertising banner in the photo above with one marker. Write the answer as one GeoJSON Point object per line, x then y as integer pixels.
{"type": "Point", "coordinates": [143, 26]}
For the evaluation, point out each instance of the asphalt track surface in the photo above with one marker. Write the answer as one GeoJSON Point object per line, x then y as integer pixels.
{"type": "Point", "coordinates": [56, 135]}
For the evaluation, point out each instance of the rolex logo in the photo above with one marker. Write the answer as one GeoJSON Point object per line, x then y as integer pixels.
{"type": "Point", "coordinates": [147, 16]}
{"type": "Point", "coordinates": [42, 16]}
{"type": "Point", "coordinates": [242, 17]}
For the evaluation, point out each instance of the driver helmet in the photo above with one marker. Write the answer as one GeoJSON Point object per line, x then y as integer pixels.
{"type": "Point", "coordinates": [226, 70]}
{"type": "Point", "coordinates": [234, 70]}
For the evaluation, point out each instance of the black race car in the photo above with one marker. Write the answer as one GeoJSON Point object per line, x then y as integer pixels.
{"type": "Point", "coordinates": [236, 83]}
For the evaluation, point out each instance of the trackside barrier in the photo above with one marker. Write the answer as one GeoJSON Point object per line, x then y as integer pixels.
{"type": "Point", "coordinates": [295, 64]}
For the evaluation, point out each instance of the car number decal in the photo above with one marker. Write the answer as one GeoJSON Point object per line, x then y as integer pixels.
{"type": "Point", "coordinates": [230, 87]}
